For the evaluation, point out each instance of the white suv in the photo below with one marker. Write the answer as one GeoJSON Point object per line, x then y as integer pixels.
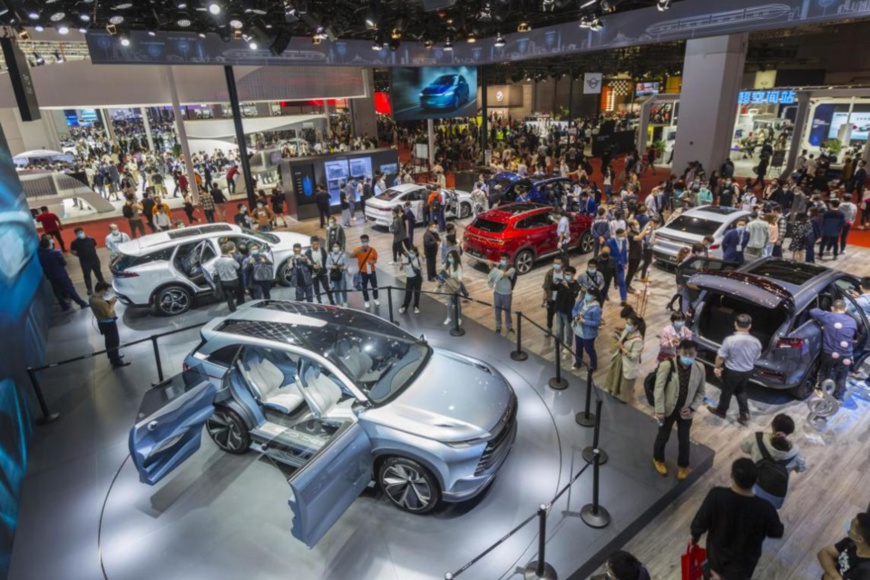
{"type": "Point", "coordinates": [165, 270]}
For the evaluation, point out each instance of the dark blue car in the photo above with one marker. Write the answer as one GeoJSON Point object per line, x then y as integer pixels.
{"type": "Point", "coordinates": [531, 189]}
{"type": "Point", "coordinates": [449, 92]}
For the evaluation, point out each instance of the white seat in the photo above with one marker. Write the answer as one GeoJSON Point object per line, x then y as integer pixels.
{"type": "Point", "coordinates": [322, 393]}
{"type": "Point", "coordinates": [267, 381]}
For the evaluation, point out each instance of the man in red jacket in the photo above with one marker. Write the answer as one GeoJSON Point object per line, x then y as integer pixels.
{"type": "Point", "coordinates": [51, 225]}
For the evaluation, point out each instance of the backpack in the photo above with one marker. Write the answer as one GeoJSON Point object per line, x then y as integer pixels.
{"type": "Point", "coordinates": [772, 474]}
{"type": "Point", "coordinates": [127, 210]}
{"type": "Point", "coordinates": [649, 383]}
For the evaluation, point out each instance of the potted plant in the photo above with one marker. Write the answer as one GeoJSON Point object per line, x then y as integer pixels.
{"type": "Point", "coordinates": [659, 147]}
{"type": "Point", "coordinates": [833, 145]}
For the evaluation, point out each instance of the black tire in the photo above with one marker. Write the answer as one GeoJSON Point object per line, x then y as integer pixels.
{"type": "Point", "coordinates": [586, 243]}
{"type": "Point", "coordinates": [228, 431]}
{"type": "Point", "coordinates": [173, 300]}
{"type": "Point", "coordinates": [408, 485]}
{"type": "Point", "coordinates": [284, 274]}
{"type": "Point", "coordinates": [464, 210]}
{"type": "Point", "coordinates": [808, 384]}
{"type": "Point", "coordinates": [524, 261]}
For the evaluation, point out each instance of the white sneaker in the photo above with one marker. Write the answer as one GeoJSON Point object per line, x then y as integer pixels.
{"type": "Point", "coordinates": [392, 263]}
{"type": "Point", "coordinates": [460, 322]}
{"type": "Point", "coordinates": [366, 304]}
{"type": "Point", "coordinates": [446, 321]}
{"type": "Point", "coordinates": [377, 302]}
{"type": "Point", "coordinates": [402, 310]}
{"type": "Point", "coordinates": [416, 311]}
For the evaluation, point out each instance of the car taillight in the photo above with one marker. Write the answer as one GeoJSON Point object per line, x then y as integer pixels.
{"type": "Point", "coordinates": [185, 366]}
{"type": "Point", "coordinates": [715, 247]}
{"type": "Point", "coordinates": [789, 343]}
{"type": "Point", "coordinates": [690, 312]}
{"type": "Point", "coordinates": [125, 274]}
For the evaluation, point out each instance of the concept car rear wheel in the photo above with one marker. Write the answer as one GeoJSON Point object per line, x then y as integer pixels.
{"type": "Point", "coordinates": [228, 431]}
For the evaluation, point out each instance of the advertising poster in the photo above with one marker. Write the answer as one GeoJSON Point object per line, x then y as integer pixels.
{"type": "Point", "coordinates": [24, 316]}
{"type": "Point", "coordinates": [303, 183]}
{"type": "Point", "coordinates": [336, 178]}
{"type": "Point", "coordinates": [646, 89]}
{"type": "Point", "coordinates": [361, 168]}
{"type": "Point", "coordinates": [592, 83]}
{"type": "Point", "coordinates": [434, 93]}
{"type": "Point", "coordinates": [860, 120]}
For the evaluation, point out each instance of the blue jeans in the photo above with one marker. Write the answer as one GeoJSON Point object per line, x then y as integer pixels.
{"type": "Point", "coordinates": [366, 280]}
{"type": "Point", "coordinates": [620, 281]}
{"type": "Point", "coordinates": [454, 302]}
{"type": "Point", "coordinates": [587, 344]}
{"type": "Point", "coordinates": [502, 302]}
{"type": "Point", "coordinates": [563, 328]}
{"type": "Point", "coordinates": [305, 293]}
{"type": "Point", "coordinates": [339, 289]}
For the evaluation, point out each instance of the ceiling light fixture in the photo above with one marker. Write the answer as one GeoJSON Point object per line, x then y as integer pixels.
{"type": "Point", "coordinates": [123, 5]}
{"type": "Point", "coordinates": [236, 23]}
{"type": "Point", "coordinates": [33, 15]}
{"type": "Point", "coordinates": [39, 28]}
{"type": "Point", "coordinates": [184, 22]}
{"type": "Point", "coordinates": [214, 8]}
{"type": "Point", "coordinates": [116, 19]}
{"type": "Point", "coordinates": [253, 45]}
{"type": "Point", "coordinates": [83, 30]}
{"type": "Point", "coordinates": [523, 26]}
{"type": "Point", "coordinates": [152, 33]}
{"type": "Point", "coordinates": [427, 43]}
{"type": "Point", "coordinates": [124, 39]}
{"type": "Point", "coordinates": [471, 38]}
{"type": "Point", "coordinates": [57, 16]}
{"type": "Point", "coordinates": [377, 46]}
{"type": "Point", "coordinates": [448, 45]}
{"type": "Point", "coordinates": [548, 5]}
{"type": "Point", "coordinates": [63, 29]}
{"type": "Point", "coordinates": [663, 5]}
{"type": "Point", "coordinates": [587, 4]}
{"type": "Point", "coordinates": [182, 5]}
{"type": "Point", "coordinates": [201, 34]}
{"type": "Point", "coordinates": [499, 41]}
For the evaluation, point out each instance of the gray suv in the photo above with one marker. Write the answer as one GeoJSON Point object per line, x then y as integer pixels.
{"type": "Point", "coordinates": [342, 397]}
{"type": "Point", "coordinates": [779, 295]}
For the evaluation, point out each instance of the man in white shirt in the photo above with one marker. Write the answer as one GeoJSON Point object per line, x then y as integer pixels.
{"type": "Point", "coordinates": [115, 238]}
{"type": "Point", "coordinates": [851, 211]}
{"type": "Point", "coordinates": [563, 231]}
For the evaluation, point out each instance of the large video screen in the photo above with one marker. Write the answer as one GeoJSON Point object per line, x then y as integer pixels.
{"type": "Point", "coordinates": [646, 89]}
{"type": "Point", "coordinates": [434, 93]}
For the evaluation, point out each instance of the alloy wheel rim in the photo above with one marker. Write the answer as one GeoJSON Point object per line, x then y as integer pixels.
{"type": "Point", "coordinates": [174, 301]}
{"type": "Point", "coordinates": [464, 210]}
{"type": "Point", "coordinates": [407, 487]}
{"type": "Point", "coordinates": [586, 244]}
{"type": "Point", "coordinates": [224, 432]}
{"type": "Point", "coordinates": [524, 262]}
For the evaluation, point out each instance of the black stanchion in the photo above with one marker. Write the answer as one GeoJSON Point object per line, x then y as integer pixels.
{"type": "Point", "coordinates": [519, 354]}
{"type": "Point", "coordinates": [47, 416]}
{"type": "Point", "coordinates": [593, 451]}
{"type": "Point", "coordinates": [457, 330]}
{"type": "Point", "coordinates": [539, 569]}
{"type": "Point", "coordinates": [558, 382]}
{"type": "Point", "coordinates": [587, 418]}
{"type": "Point", "coordinates": [390, 304]}
{"type": "Point", "coordinates": [157, 358]}
{"type": "Point", "coordinates": [592, 514]}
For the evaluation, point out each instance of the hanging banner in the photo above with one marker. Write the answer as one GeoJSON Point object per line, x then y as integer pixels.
{"type": "Point", "coordinates": [592, 83]}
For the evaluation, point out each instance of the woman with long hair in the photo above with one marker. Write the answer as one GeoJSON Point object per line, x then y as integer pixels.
{"type": "Point", "coordinates": [625, 361]}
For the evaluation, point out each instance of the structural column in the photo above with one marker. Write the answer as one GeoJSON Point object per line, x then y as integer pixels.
{"type": "Point", "coordinates": [431, 133]}
{"type": "Point", "coordinates": [800, 126]}
{"type": "Point", "coordinates": [712, 78]}
{"type": "Point", "coordinates": [182, 133]}
{"type": "Point", "coordinates": [107, 123]}
{"type": "Point", "coordinates": [363, 114]}
{"type": "Point", "coordinates": [147, 122]}
{"type": "Point", "coordinates": [484, 112]}
{"type": "Point", "coordinates": [240, 135]}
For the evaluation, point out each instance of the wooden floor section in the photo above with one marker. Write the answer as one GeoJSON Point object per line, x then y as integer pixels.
{"type": "Point", "coordinates": [821, 500]}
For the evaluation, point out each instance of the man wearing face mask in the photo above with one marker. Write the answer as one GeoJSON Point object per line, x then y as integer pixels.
{"type": "Point", "coordinates": [367, 259]}
{"type": "Point", "coordinates": [242, 219]}
{"type": "Point", "coordinates": [335, 234]}
{"type": "Point", "coordinates": [679, 391]}
{"type": "Point", "coordinates": [587, 322]}
{"type": "Point", "coordinates": [552, 279]}
{"type": "Point", "coordinates": [735, 362]}
{"type": "Point", "coordinates": [619, 251]}
{"type": "Point", "coordinates": [301, 271]}
{"type": "Point", "coordinates": [85, 249]}
{"type": "Point", "coordinates": [431, 244]}
{"type": "Point", "coordinates": [413, 279]}
{"type": "Point", "coordinates": [115, 238]}
{"type": "Point", "coordinates": [849, 559]}
{"type": "Point", "coordinates": [323, 201]}
{"type": "Point", "coordinates": [54, 268]}
{"type": "Point", "coordinates": [317, 257]}
{"type": "Point", "coordinates": [264, 216]}
{"type": "Point", "coordinates": [501, 279]}
{"type": "Point", "coordinates": [336, 265]}
{"type": "Point", "coordinates": [734, 242]}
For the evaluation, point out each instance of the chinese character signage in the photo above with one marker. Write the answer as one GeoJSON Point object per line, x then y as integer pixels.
{"type": "Point", "coordinates": [774, 97]}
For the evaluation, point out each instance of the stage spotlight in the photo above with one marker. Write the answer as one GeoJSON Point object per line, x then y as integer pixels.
{"type": "Point", "coordinates": [663, 5]}
{"type": "Point", "coordinates": [448, 45]}
{"type": "Point", "coordinates": [125, 40]}
{"type": "Point", "coordinates": [214, 8]}
{"type": "Point", "coordinates": [427, 44]}
{"type": "Point", "coordinates": [377, 46]}
{"type": "Point", "coordinates": [523, 26]}
{"type": "Point", "coordinates": [499, 41]}
{"type": "Point", "coordinates": [63, 29]}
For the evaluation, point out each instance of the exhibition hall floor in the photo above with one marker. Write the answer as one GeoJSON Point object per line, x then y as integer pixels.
{"type": "Point", "coordinates": [224, 516]}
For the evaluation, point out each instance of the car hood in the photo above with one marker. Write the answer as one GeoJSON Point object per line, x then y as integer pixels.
{"type": "Point", "coordinates": [290, 238]}
{"type": "Point", "coordinates": [454, 399]}
{"type": "Point", "coordinates": [437, 89]}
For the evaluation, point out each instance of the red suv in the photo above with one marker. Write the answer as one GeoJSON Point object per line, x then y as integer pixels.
{"type": "Point", "coordinates": [525, 231]}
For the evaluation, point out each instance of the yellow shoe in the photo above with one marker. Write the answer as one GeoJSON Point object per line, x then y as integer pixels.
{"type": "Point", "coordinates": [682, 473]}
{"type": "Point", "coordinates": [661, 468]}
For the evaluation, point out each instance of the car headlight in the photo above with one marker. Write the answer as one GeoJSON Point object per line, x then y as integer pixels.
{"type": "Point", "coordinates": [466, 444]}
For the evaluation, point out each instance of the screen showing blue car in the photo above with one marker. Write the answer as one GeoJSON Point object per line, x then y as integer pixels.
{"type": "Point", "coordinates": [434, 93]}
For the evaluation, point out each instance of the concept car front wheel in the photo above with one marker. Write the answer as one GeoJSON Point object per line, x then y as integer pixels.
{"type": "Point", "coordinates": [409, 485]}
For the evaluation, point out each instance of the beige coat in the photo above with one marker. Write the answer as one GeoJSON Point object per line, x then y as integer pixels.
{"type": "Point", "coordinates": [666, 394]}
{"type": "Point", "coordinates": [631, 359]}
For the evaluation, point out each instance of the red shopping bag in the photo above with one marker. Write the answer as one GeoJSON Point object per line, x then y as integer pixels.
{"type": "Point", "coordinates": [693, 562]}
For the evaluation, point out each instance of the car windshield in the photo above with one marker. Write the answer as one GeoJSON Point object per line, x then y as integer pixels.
{"type": "Point", "coordinates": [694, 225]}
{"type": "Point", "coordinates": [263, 237]}
{"type": "Point", "coordinates": [390, 195]}
{"type": "Point", "coordinates": [443, 80]}
{"type": "Point", "coordinates": [380, 359]}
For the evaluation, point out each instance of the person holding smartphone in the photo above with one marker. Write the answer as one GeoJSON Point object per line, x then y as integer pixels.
{"type": "Point", "coordinates": [104, 312]}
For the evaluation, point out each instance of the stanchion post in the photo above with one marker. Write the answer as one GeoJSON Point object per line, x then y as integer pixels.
{"type": "Point", "coordinates": [592, 514]}
{"type": "Point", "coordinates": [157, 358]}
{"type": "Point", "coordinates": [557, 382]}
{"type": "Point", "coordinates": [593, 451]}
{"type": "Point", "coordinates": [586, 418]}
{"type": "Point", "coordinates": [457, 330]}
{"type": "Point", "coordinates": [390, 304]}
{"type": "Point", "coordinates": [539, 569]}
{"type": "Point", "coordinates": [519, 354]}
{"type": "Point", "coordinates": [47, 416]}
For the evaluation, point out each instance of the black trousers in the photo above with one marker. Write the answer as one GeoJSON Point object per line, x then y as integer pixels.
{"type": "Point", "coordinates": [233, 292]}
{"type": "Point", "coordinates": [324, 215]}
{"type": "Point", "coordinates": [608, 280]}
{"type": "Point", "coordinates": [322, 281]}
{"type": "Point", "coordinates": [683, 443]}
{"type": "Point", "coordinates": [647, 262]}
{"type": "Point", "coordinates": [431, 262]}
{"type": "Point", "coordinates": [734, 384]}
{"type": "Point", "coordinates": [551, 312]}
{"type": "Point", "coordinates": [89, 268]}
{"type": "Point", "coordinates": [109, 330]}
{"type": "Point", "coordinates": [633, 264]}
{"type": "Point", "coordinates": [830, 243]}
{"type": "Point", "coordinates": [398, 249]}
{"type": "Point", "coordinates": [844, 236]}
{"type": "Point", "coordinates": [412, 290]}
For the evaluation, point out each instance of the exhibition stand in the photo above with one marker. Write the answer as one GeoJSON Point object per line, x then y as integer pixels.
{"type": "Point", "coordinates": [85, 490]}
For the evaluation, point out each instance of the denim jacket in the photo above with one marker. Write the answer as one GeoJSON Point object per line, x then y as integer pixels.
{"type": "Point", "coordinates": [588, 327]}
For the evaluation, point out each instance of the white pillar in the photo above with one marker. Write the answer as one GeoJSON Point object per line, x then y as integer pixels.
{"type": "Point", "coordinates": [328, 123]}
{"type": "Point", "coordinates": [431, 127]}
{"type": "Point", "coordinates": [712, 78]}
{"type": "Point", "coordinates": [800, 128]}
{"type": "Point", "coordinates": [182, 133]}
{"type": "Point", "coordinates": [147, 122]}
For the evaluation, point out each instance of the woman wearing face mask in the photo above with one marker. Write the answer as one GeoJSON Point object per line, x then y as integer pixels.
{"type": "Point", "coordinates": [336, 265]}
{"type": "Point", "coordinates": [413, 279]}
{"type": "Point", "coordinates": [679, 391]}
{"type": "Point", "coordinates": [672, 335]}
{"type": "Point", "coordinates": [625, 362]}
{"type": "Point", "coordinates": [587, 321]}
{"type": "Point", "coordinates": [264, 216]}
{"type": "Point", "coordinates": [451, 283]}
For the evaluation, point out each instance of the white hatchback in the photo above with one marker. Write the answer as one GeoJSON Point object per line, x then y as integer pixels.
{"type": "Point", "coordinates": [166, 270]}
{"type": "Point", "coordinates": [379, 210]}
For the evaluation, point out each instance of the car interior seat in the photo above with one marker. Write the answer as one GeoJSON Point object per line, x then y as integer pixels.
{"type": "Point", "coordinates": [269, 383]}
{"type": "Point", "coordinates": [358, 363]}
{"type": "Point", "coordinates": [322, 393]}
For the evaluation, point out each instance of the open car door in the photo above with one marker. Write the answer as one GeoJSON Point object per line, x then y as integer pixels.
{"type": "Point", "coordinates": [169, 424]}
{"type": "Point", "coordinates": [202, 266]}
{"type": "Point", "coordinates": [326, 486]}
{"type": "Point", "coordinates": [861, 347]}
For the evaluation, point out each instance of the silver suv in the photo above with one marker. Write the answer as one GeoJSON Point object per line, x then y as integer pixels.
{"type": "Point", "coordinates": [343, 397]}
{"type": "Point", "coordinates": [166, 270]}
